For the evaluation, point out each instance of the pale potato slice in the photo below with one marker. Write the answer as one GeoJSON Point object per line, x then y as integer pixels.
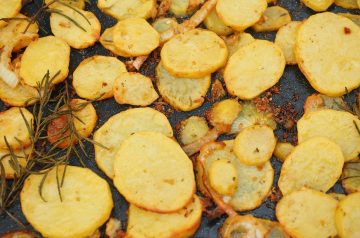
{"type": "Point", "coordinates": [182, 8]}
{"type": "Point", "coordinates": [85, 201]}
{"type": "Point", "coordinates": [14, 29]}
{"type": "Point", "coordinates": [134, 89]}
{"type": "Point", "coordinates": [243, 226]}
{"type": "Point", "coordinates": [9, 9]}
{"type": "Point", "coordinates": [107, 41]}
{"type": "Point", "coordinates": [135, 37]}
{"type": "Point", "coordinates": [240, 14]}
{"type": "Point", "coordinates": [223, 114]}
{"type": "Point", "coordinates": [154, 173]}
{"type": "Point", "coordinates": [348, 4]}
{"type": "Point", "coordinates": [74, 3]}
{"type": "Point", "coordinates": [184, 94]}
{"type": "Point", "coordinates": [6, 160]}
{"type": "Point", "coordinates": [338, 126]}
{"type": "Point", "coordinates": [272, 19]}
{"type": "Point", "coordinates": [286, 39]}
{"type": "Point", "coordinates": [95, 76]}
{"type": "Point", "coordinates": [215, 24]}
{"type": "Point", "coordinates": [45, 54]}
{"type": "Point", "coordinates": [20, 96]}
{"type": "Point", "coordinates": [354, 17]}
{"type": "Point", "coordinates": [283, 150]}
{"type": "Point", "coordinates": [223, 177]}
{"type": "Point", "coordinates": [13, 127]}
{"type": "Point", "coordinates": [326, 67]}
{"type": "Point", "coordinates": [164, 24]}
{"type": "Point", "coordinates": [351, 177]}
{"type": "Point", "coordinates": [307, 214]}
{"type": "Point", "coordinates": [248, 72]}
{"type": "Point", "coordinates": [237, 41]}
{"type": "Point", "coordinates": [122, 9]}
{"type": "Point", "coordinates": [275, 230]}
{"type": "Point", "coordinates": [183, 223]}
{"type": "Point", "coordinates": [194, 54]}
{"type": "Point", "coordinates": [347, 216]}
{"type": "Point", "coordinates": [192, 129]}
{"type": "Point", "coordinates": [318, 5]}
{"type": "Point", "coordinates": [255, 145]}
{"type": "Point", "coordinates": [122, 125]}
{"type": "Point", "coordinates": [316, 163]}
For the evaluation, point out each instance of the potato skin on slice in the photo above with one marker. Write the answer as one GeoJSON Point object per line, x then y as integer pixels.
{"type": "Point", "coordinates": [346, 216]}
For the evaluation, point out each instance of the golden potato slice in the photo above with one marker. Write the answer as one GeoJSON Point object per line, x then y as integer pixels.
{"type": "Point", "coordinates": [122, 125]}
{"type": "Point", "coordinates": [13, 127]}
{"type": "Point", "coordinates": [283, 150]}
{"type": "Point", "coordinates": [351, 177]}
{"type": "Point", "coordinates": [337, 196]}
{"type": "Point", "coordinates": [74, 3]}
{"type": "Point", "coordinates": [348, 4]}
{"type": "Point", "coordinates": [354, 17]}
{"type": "Point", "coordinates": [192, 129]}
{"type": "Point", "coordinates": [161, 25]}
{"type": "Point", "coordinates": [223, 114]}
{"type": "Point", "coordinates": [316, 163]}
{"type": "Point", "coordinates": [326, 67]}
{"type": "Point", "coordinates": [215, 24]}
{"type": "Point", "coordinates": [127, 8]}
{"type": "Point", "coordinates": [6, 160]}
{"type": "Point", "coordinates": [272, 19]}
{"type": "Point", "coordinates": [286, 38]}
{"type": "Point", "coordinates": [318, 5]}
{"type": "Point", "coordinates": [255, 145]}
{"type": "Point", "coordinates": [45, 54]}
{"type": "Point", "coordinates": [95, 76]}
{"type": "Point", "coordinates": [20, 96]}
{"type": "Point", "coordinates": [307, 214]}
{"type": "Point", "coordinates": [347, 216]}
{"type": "Point", "coordinates": [183, 223]}
{"type": "Point", "coordinates": [85, 201]}
{"type": "Point", "coordinates": [154, 173]}
{"type": "Point", "coordinates": [14, 29]}
{"type": "Point", "coordinates": [240, 14]}
{"type": "Point", "coordinates": [107, 41]}
{"type": "Point", "coordinates": [248, 72]}
{"type": "Point", "coordinates": [238, 40]}
{"type": "Point", "coordinates": [182, 8]}
{"type": "Point", "coordinates": [242, 226]}
{"type": "Point", "coordinates": [9, 9]}
{"type": "Point", "coordinates": [338, 126]}
{"type": "Point", "coordinates": [194, 54]}
{"type": "Point", "coordinates": [134, 89]}
{"type": "Point", "coordinates": [223, 177]}
{"type": "Point", "coordinates": [184, 94]}
{"type": "Point", "coordinates": [80, 36]}
{"type": "Point", "coordinates": [135, 37]}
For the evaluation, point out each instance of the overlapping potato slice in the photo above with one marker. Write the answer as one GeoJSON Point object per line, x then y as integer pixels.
{"type": "Point", "coordinates": [8, 9]}
{"type": "Point", "coordinates": [107, 41]}
{"type": "Point", "coordinates": [307, 214]}
{"type": "Point", "coordinates": [316, 102]}
{"type": "Point", "coordinates": [318, 5]}
{"type": "Point", "coordinates": [14, 128]}
{"type": "Point", "coordinates": [255, 145]}
{"type": "Point", "coordinates": [85, 202]}
{"type": "Point", "coordinates": [354, 17]}
{"type": "Point", "coordinates": [95, 76]}
{"type": "Point", "coordinates": [347, 216]}
{"type": "Point", "coordinates": [194, 54]}
{"type": "Point", "coordinates": [20, 96]}
{"type": "Point", "coordinates": [74, 3]}
{"type": "Point", "coordinates": [348, 4]}
{"type": "Point", "coordinates": [286, 39]}
{"type": "Point", "coordinates": [283, 150]}
{"type": "Point", "coordinates": [7, 160]}
{"type": "Point", "coordinates": [215, 24]}
{"type": "Point", "coordinates": [242, 226]}
{"type": "Point", "coordinates": [184, 7]}
{"type": "Point", "coordinates": [47, 54]}
{"type": "Point", "coordinates": [275, 230]}
{"type": "Point", "coordinates": [272, 19]}
{"type": "Point", "coordinates": [238, 40]}
{"type": "Point", "coordinates": [81, 35]}
{"type": "Point", "coordinates": [164, 24]}
{"type": "Point", "coordinates": [192, 129]}
{"type": "Point", "coordinates": [326, 67]}
{"type": "Point", "coordinates": [183, 223]}
{"type": "Point", "coordinates": [184, 94]}
{"type": "Point", "coordinates": [240, 14]}
{"type": "Point", "coordinates": [316, 163]}
{"type": "Point", "coordinates": [135, 37]}
{"type": "Point", "coordinates": [134, 89]}
{"type": "Point", "coordinates": [351, 177]}
{"type": "Point", "coordinates": [248, 72]}
{"type": "Point", "coordinates": [122, 9]}
{"type": "Point", "coordinates": [338, 126]}
{"type": "Point", "coordinates": [154, 173]}
{"type": "Point", "coordinates": [122, 125]}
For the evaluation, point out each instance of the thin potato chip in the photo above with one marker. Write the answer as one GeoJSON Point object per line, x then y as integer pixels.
{"type": "Point", "coordinates": [8, 9]}
{"type": "Point", "coordinates": [347, 216]}
{"type": "Point", "coordinates": [348, 4]}
{"type": "Point", "coordinates": [192, 129]}
{"type": "Point", "coordinates": [272, 19]}
{"type": "Point", "coordinates": [215, 24]}
{"type": "Point", "coordinates": [318, 5]}
{"type": "Point", "coordinates": [122, 9]}
{"type": "Point", "coordinates": [286, 39]}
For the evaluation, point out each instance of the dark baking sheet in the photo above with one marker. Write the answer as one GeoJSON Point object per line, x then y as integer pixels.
{"type": "Point", "coordinates": [292, 85]}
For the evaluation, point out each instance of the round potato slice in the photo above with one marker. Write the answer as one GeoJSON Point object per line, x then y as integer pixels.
{"type": "Point", "coordinates": [351, 177]}
{"type": "Point", "coordinates": [154, 173]}
{"type": "Point", "coordinates": [9, 9]}
{"type": "Point", "coordinates": [316, 163]}
{"type": "Point", "coordinates": [272, 19]}
{"type": "Point", "coordinates": [122, 125]}
{"type": "Point", "coordinates": [286, 38]}
{"type": "Point", "coordinates": [215, 24]}
{"type": "Point", "coordinates": [128, 8]}
{"type": "Point", "coordinates": [21, 96]}
{"type": "Point", "coordinates": [338, 126]}
{"type": "Point", "coordinates": [85, 201]}
{"type": "Point", "coordinates": [80, 36]}
{"type": "Point", "coordinates": [237, 41]}
{"type": "Point", "coordinates": [318, 5]}
{"type": "Point", "coordinates": [307, 214]}
{"type": "Point", "coordinates": [347, 216]}
{"type": "Point", "coordinates": [135, 37]}
{"type": "Point", "coordinates": [332, 71]}
{"type": "Point", "coordinates": [179, 7]}
{"type": "Point", "coordinates": [5, 159]}
{"type": "Point", "coordinates": [283, 150]}
{"type": "Point", "coordinates": [164, 24]}
{"type": "Point", "coordinates": [192, 129]}
{"type": "Point", "coordinates": [248, 72]}
{"type": "Point", "coordinates": [95, 76]}
{"type": "Point", "coordinates": [74, 3]}
{"type": "Point", "coordinates": [240, 14]}
{"type": "Point", "coordinates": [107, 41]}
{"type": "Point", "coordinates": [13, 127]}
{"type": "Point", "coordinates": [255, 145]}
{"type": "Point", "coordinates": [223, 177]}
{"type": "Point", "coordinates": [134, 89]}
{"type": "Point", "coordinates": [194, 54]}
{"type": "Point", "coordinates": [348, 4]}
{"type": "Point", "coordinates": [183, 223]}
{"type": "Point", "coordinates": [184, 94]}
{"type": "Point", "coordinates": [45, 54]}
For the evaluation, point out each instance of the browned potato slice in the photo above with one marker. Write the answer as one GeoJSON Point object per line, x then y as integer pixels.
{"type": "Point", "coordinates": [8, 9]}
{"type": "Point", "coordinates": [223, 114]}
{"type": "Point", "coordinates": [192, 129]}
{"type": "Point", "coordinates": [318, 5]}
{"type": "Point", "coordinates": [351, 177]}
{"type": "Point", "coordinates": [319, 101]}
{"type": "Point", "coordinates": [286, 39]}
{"type": "Point", "coordinates": [283, 150]}
{"type": "Point", "coordinates": [18, 234]}
{"type": "Point", "coordinates": [349, 4]}
{"type": "Point", "coordinates": [272, 19]}
{"type": "Point", "coordinates": [346, 216]}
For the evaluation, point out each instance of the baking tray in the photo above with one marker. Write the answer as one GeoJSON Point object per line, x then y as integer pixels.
{"type": "Point", "coordinates": [293, 90]}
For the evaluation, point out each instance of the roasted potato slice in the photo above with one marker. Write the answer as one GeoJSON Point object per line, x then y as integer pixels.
{"type": "Point", "coordinates": [7, 161]}
{"type": "Point", "coordinates": [354, 17]}
{"type": "Point", "coordinates": [21, 96]}
{"type": "Point", "coordinates": [236, 41]}
{"type": "Point", "coordinates": [351, 177]}
{"type": "Point", "coordinates": [346, 216]}
{"type": "Point", "coordinates": [127, 8]}
{"type": "Point", "coordinates": [242, 226]}
{"type": "Point", "coordinates": [74, 3]}
{"type": "Point", "coordinates": [162, 25]}
{"type": "Point", "coordinates": [223, 177]}
{"type": "Point", "coordinates": [272, 19]}
{"type": "Point", "coordinates": [348, 4]}
{"type": "Point", "coordinates": [107, 41]}
{"type": "Point", "coordinates": [192, 129]}
{"type": "Point", "coordinates": [9, 9]}
{"type": "Point", "coordinates": [318, 5]}
{"type": "Point", "coordinates": [337, 196]}
{"type": "Point", "coordinates": [275, 230]}
{"type": "Point", "coordinates": [319, 101]}
{"type": "Point", "coordinates": [184, 7]}
{"type": "Point", "coordinates": [283, 150]}
{"type": "Point", "coordinates": [18, 234]}
{"type": "Point", "coordinates": [215, 24]}
{"type": "Point", "coordinates": [286, 38]}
